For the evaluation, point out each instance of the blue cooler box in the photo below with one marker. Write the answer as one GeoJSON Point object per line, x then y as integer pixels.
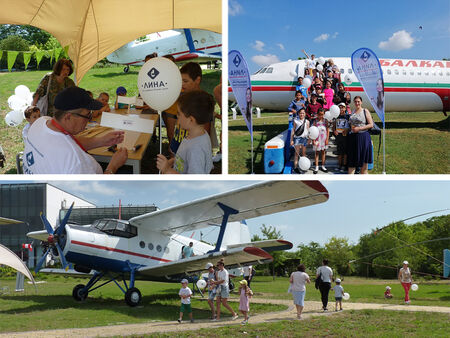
{"type": "Point", "coordinates": [274, 154]}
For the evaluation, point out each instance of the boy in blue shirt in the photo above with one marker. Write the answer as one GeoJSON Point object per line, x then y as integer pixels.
{"type": "Point", "coordinates": [300, 87]}
{"type": "Point", "coordinates": [297, 103]}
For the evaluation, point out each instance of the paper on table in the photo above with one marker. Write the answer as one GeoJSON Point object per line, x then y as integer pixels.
{"type": "Point", "coordinates": [131, 122]}
{"type": "Point", "coordinates": [129, 140]}
{"type": "Point", "coordinates": [126, 99]}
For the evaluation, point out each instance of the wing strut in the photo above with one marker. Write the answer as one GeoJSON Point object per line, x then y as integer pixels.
{"type": "Point", "coordinates": [227, 211]}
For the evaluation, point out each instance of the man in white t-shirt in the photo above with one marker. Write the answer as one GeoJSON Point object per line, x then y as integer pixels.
{"type": "Point", "coordinates": [326, 274]}
{"type": "Point", "coordinates": [248, 274]}
{"type": "Point", "coordinates": [53, 147]}
{"type": "Point", "coordinates": [223, 290]}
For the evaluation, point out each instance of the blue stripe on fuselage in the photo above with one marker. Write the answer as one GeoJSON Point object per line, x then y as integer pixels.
{"type": "Point", "coordinates": [98, 263]}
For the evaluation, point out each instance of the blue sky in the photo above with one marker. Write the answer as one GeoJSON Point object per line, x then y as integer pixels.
{"type": "Point", "coordinates": [266, 31]}
{"type": "Point", "coordinates": [354, 208]}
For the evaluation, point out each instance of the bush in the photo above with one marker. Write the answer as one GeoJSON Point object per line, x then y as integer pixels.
{"type": "Point", "coordinates": [16, 43]}
{"type": "Point", "coordinates": [6, 271]}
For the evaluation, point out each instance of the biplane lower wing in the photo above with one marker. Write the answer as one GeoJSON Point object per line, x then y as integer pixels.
{"type": "Point", "coordinates": [233, 258]}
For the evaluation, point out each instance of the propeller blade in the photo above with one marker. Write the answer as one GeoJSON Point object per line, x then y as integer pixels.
{"type": "Point", "coordinates": [41, 261]}
{"type": "Point", "coordinates": [62, 226]}
{"type": "Point", "coordinates": [62, 258]}
{"type": "Point", "coordinates": [47, 225]}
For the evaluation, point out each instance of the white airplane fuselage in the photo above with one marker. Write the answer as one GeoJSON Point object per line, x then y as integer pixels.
{"type": "Point", "coordinates": [172, 42]}
{"type": "Point", "coordinates": [409, 85]}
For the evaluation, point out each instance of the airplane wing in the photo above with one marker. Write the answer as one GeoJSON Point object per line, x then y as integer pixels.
{"type": "Point", "coordinates": [40, 235]}
{"type": "Point", "coordinates": [198, 57]}
{"type": "Point", "coordinates": [268, 245]}
{"type": "Point", "coordinates": [233, 258]}
{"type": "Point", "coordinates": [5, 221]}
{"type": "Point", "coordinates": [252, 201]}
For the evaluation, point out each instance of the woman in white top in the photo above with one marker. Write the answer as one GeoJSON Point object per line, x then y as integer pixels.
{"type": "Point", "coordinates": [326, 274]}
{"type": "Point", "coordinates": [298, 282]}
{"type": "Point", "coordinates": [405, 278]}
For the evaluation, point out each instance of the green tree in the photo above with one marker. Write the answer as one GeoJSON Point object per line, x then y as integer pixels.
{"type": "Point", "coordinates": [339, 253]}
{"type": "Point", "coordinates": [311, 255]}
{"type": "Point", "coordinates": [34, 35]}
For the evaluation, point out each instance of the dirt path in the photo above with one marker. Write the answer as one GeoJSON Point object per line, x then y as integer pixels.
{"type": "Point", "coordinates": [312, 308]}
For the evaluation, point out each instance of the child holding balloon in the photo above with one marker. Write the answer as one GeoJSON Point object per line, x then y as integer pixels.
{"type": "Point", "coordinates": [320, 144]}
{"type": "Point", "coordinates": [299, 136]}
{"type": "Point", "coordinates": [193, 156]}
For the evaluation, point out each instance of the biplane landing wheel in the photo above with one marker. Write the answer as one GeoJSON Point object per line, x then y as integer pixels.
{"type": "Point", "coordinates": [78, 294]}
{"type": "Point", "coordinates": [133, 297]}
{"type": "Point", "coordinates": [126, 69]}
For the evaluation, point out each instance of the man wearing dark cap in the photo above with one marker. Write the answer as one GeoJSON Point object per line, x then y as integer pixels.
{"type": "Point", "coordinates": [52, 146]}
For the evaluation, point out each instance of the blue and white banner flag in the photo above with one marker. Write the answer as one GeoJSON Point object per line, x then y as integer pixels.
{"type": "Point", "coordinates": [367, 68]}
{"type": "Point", "coordinates": [239, 79]}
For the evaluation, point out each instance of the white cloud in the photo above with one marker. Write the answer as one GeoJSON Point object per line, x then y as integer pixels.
{"type": "Point", "coordinates": [334, 36]}
{"type": "Point", "coordinates": [91, 187]}
{"type": "Point", "coordinates": [258, 45]}
{"type": "Point", "coordinates": [263, 60]}
{"type": "Point", "coordinates": [234, 8]}
{"type": "Point", "coordinates": [322, 37]}
{"type": "Point", "coordinates": [280, 45]}
{"type": "Point", "coordinates": [398, 41]}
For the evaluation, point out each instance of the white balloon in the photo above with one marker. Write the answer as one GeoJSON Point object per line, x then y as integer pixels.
{"type": "Point", "coordinates": [346, 296]}
{"type": "Point", "coordinates": [159, 83]}
{"type": "Point", "coordinates": [321, 61]}
{"type": "Point", "coordinates": [348, 79]}
{"type": "Point", "coordinates": [334, 111]}
{"type": "Point", "coordinates": [414, 287]}
{"type": "Point", "coordinates": [29, 99]}
{"type": "Point", "coordinates": [319, 67]}
{"type": "Point", "coordinates": [304, 163]}
{"type": "Point", "coordinates": [22, 91]}
{"type": "Point", "coordinates": [313, 133]}
{"type": "Point", "coordinates": [308, 77]}
{"type": "Point", "coordinates": [201, 284]}
{"type": "Point", "coordinates": [328, 116]}
{"type": "Point", "coordinates": [14, 118]}
{"type": "Point", "coordinates": [17, 103]}
{"type": "Point", "coordinates": [306, 82]}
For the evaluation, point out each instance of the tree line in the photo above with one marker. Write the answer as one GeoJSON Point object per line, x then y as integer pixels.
{"type": "Point", "coordinates": [379, 253]}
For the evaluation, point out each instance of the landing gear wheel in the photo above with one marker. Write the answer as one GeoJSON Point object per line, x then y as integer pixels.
{"type": "Point", "coordinates": [133, 297]}
{"type": "Point", "coordinates": [126, 69]}
{"type": "Point", "coordinates": [78, 294]}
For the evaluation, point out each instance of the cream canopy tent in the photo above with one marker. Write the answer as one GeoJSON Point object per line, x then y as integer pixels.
{"type": "Point", "coordinates": [95, 28]}
{"type": "Point", "coordinates": [9, 258]}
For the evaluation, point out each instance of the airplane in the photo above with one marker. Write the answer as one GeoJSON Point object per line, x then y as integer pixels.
{"type": "Point", "coordinates": [183, 44]}
{"type": "Point", "coordinates": [148, 247]}
{"type": "Point", "coordinates": [409, 85]}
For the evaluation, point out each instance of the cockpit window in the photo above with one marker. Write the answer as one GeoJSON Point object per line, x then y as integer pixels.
{"type": "Point", "coordinates": [99, 224]}
{"type": "Point", "coordinates": [263, 70]}
{"type": "Point", "coordinates": [269, 70]}
{"type": "Point", "coordinates": [118, 228]}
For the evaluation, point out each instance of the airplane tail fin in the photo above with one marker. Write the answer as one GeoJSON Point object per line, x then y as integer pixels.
{"type": "Point", "coordinates": [236, 233]}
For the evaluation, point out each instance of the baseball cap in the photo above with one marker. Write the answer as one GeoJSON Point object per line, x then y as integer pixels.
{"type": "Point", "coordinates": [184, 280]}
{"type": "Point", "coordinates": [342, 104]}
{"type": "Point", "coordinates": [121, 90]}
{"type": "Point", "coordinates": [243, 282]}
{"type": "Point", "coordinates": [338, 280]}
{"type": "Point", "coordinates": [209, 265]}
{"type": "Point", "coordinates": [405, 262]}
{"type": "Point", "coordinates": [75, 98]}
{"type": "Point", "coordinates": [388, 287]}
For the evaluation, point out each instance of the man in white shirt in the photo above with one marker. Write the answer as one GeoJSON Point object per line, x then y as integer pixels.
{"type": "Point", "coordinates": [223, 290]}
{"type": "Point", "coordinates": [326, 275]}
{"type": "Point", "coordinates": [53, 146]}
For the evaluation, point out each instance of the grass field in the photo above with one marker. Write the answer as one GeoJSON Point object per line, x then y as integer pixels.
{"type": "Point", "coordinates": [52, 306]}
{"type": "Point", "coordinates": [416, 143]}
{"type": "Point", "coordinates": [365, 323]}
{"type": "Point", "coordinates": [97, 80]}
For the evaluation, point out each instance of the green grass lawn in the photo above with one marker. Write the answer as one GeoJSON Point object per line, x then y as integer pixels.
{"type": "Point", "coordinates": [97, 80]}
{"type": "Point", "coordinates": [53, 307]}
{"type": "Point", "coordinates": [416, 143]}
{"type": "Point", "coordinates": [361, 290]}
{"type": "Point", "coordinates": [365, 323]}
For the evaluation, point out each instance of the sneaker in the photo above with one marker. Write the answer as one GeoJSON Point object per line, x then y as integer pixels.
{"type": "Point", "coordinates": [179, 320]}
{"type": "Point", "coordinates": [214, 319]}
{"type": "Point", "coordinates": [325, 170]}
{"type": "Point", "coordinates": [234, 317]}
{"type": "Point", "coordinates": [244, 322]}
{"type": "Point", "coordinates": [316, 170]}
{"type": "Point", "coordinates": [342, 170]}
{"type": "Point", "coordinates": [192, 320]}
{"type": "Point", "coordinates": [297, 170]}
{"type": "Point", "coordinates": [217, 158]}
{"type": "Point", "coordinates": [325, 310]}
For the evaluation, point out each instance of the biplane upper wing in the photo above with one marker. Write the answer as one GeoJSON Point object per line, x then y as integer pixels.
{"type": "Point", "coordinates": [5, 221]}
{"type": "Point", "coordinates": [233, 258]}
{"type": "Point", "coordinates": [249, 202]}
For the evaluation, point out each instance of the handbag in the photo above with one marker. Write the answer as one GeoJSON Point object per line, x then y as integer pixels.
{"type": "Point", "coordinates": [300, 129]}
{"type": "Point", "coordinates": [318, 281]}
{"type": "Point", "coordinates": [42, 103]}
{"type": "Point", "coordinates": [375, 130]}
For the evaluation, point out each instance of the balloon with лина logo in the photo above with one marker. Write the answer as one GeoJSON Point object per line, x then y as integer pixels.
{"type": "Point", "coordinates": [159, 83]}
{"type": "Point", "coordinates": [14, 118]}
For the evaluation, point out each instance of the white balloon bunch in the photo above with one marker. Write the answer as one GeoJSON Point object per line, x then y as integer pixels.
{"type": "Point", "coordinates": [18, 102]}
